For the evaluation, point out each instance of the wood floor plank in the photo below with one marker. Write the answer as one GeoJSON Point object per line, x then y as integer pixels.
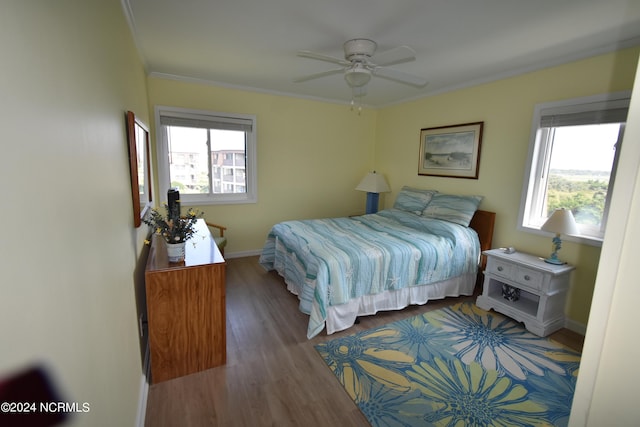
{"type": "Point", "coordinates": [273, 375]}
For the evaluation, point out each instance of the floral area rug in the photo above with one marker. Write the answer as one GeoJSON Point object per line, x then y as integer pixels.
{"type": "Point", "coordinates": [457, 366]}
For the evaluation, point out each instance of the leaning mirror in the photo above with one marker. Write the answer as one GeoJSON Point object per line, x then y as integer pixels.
{"type": "Point", "coordinates": [139, 160]}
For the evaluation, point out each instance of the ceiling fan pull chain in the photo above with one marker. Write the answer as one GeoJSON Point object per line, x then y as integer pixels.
{"type": "Point", "coordinates": [353, 105]}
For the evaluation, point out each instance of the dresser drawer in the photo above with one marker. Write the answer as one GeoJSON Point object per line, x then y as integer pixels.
{"type": "Point", "coordinates": [527, 277]}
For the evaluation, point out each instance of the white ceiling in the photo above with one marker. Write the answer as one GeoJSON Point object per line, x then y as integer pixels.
{"type": "Point", "coordinates": [252, 44]}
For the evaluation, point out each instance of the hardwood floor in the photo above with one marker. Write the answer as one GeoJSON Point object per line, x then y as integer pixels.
{"type": "Point", "coordinates": [273, 375]}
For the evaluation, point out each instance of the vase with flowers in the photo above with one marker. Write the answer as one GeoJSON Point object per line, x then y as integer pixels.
{"type": "Point", "coordinates": [173, 229]}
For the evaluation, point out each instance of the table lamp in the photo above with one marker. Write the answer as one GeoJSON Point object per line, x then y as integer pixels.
{"type": "Point", "coordinates": [374, 184]}
{"type": "Point", "coordinates": [561, 221]}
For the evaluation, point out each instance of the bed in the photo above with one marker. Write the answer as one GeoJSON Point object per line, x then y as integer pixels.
{"type": "Point", "coordinates": [428, 246]}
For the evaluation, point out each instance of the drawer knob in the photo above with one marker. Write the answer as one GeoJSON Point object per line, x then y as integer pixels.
{"type": "Point", "coordinates": [500, 268]}
{"type": "Point", "coordinates": [527, 277]}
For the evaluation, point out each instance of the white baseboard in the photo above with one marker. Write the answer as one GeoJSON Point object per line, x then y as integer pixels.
{"type": "Point", "coordinates": [144, 390]}
{"type": "Point", "coordinates": [574, 326]}
{"type": "Point", "coordinates": [243, 253]}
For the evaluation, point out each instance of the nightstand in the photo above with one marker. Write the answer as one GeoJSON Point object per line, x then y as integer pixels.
{"type": "Point", "coordinates": [535, 291]}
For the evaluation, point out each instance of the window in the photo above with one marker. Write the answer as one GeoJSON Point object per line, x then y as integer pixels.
{"type": "Point", "coordinates": [209, 157]}
{"type": "Point", "coordinates": [573, 155]}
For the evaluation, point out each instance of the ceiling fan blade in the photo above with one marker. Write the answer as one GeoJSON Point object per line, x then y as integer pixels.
{"type": "Point", "coordinates": [399, 76]}
{"type": "Point", "coordinates": [318, 75]}
{"type": "Point", "coordinates": [397, 55]}
{"type": "Point", "coordinates": [322, 57]}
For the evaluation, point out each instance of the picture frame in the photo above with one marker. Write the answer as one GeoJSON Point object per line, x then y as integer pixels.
{"type": "Point", "coordinates": [140, 166]}
{"type": "Point", "coordinates": [451, 151]}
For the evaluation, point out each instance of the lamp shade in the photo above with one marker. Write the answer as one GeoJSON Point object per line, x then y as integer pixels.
{"type": "Point", "coordinates": [561, 221]}
{"type": "Point", "coordinates": [373, 183]}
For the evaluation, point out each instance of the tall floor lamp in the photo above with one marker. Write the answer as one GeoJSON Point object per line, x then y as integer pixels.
{"type": "Point", "coordinates": [561, 221]}
{"type": "Point", "coordinates": [374, 184]}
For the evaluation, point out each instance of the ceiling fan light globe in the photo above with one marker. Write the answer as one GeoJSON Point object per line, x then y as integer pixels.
{"type": "Point", "coordinates": [357, 77]}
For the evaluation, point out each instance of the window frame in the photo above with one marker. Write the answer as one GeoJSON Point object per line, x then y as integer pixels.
{"type": "Point", "coordinates": [251, 162]}
{"type": "Point", "coordinates": [534, 185]}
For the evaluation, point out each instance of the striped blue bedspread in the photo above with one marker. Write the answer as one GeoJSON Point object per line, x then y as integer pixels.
{"type": "Point", "coordinates": [330, 261]}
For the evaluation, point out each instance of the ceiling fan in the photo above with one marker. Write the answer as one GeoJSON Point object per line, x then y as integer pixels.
{"type": "Point", "coordinates": [361, 62]}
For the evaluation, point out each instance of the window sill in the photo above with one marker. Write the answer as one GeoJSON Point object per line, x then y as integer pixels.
{"type": "Point", "coordinates": [583, 240]}
{"type": "Point", "coordinates": [205, 201]}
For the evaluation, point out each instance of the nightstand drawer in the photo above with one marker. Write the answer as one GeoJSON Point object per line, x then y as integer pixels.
{"type": "Point", "coordinates": [529, 278]}
{"type": "Point", "coordinates": [500, 268]}
{"type": "Point", "coordinates": [524, 276]}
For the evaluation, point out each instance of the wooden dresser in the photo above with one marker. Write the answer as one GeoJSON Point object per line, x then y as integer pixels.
{"type": "Point", "coordinates": [186, 307]}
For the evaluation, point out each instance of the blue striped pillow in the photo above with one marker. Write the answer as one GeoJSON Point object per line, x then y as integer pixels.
{"type": "Point", "coordinates": [413, 199]}
{"type": "Point", "coordinates": [456, 209]}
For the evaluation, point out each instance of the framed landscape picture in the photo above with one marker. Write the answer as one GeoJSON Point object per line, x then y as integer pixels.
{"type": "Point", "coordinates": [451, 151]}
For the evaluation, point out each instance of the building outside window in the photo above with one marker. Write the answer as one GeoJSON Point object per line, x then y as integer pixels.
{"type": "Point", "coordinates": [217, 149]}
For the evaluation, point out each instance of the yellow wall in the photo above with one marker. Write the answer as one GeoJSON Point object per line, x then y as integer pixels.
{"type": "Point", "coordinates": [506, 107]}
{"type": "Point", "coordinates": [311, 156]}
{"type": "Point", "coordinates": [69, 72]}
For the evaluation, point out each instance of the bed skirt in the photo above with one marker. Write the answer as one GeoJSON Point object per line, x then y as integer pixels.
{"type": "Point", "coordinates": [341, 317]}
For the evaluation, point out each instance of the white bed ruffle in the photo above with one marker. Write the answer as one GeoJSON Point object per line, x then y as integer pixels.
{"type": "Point", "coordinates": [341, 317]}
